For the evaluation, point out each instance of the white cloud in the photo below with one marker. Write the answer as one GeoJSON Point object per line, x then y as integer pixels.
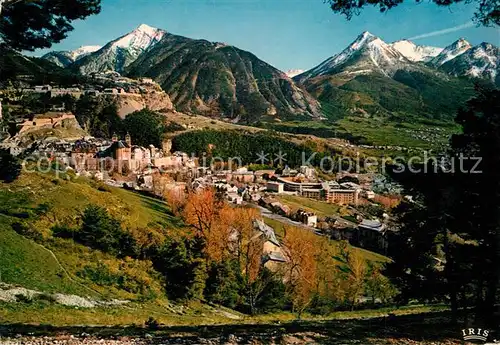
{"type": "Point", "coordinates": [444, 31]}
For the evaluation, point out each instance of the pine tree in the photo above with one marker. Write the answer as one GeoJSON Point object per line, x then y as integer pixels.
{"type": "Point", "coordinates": [488, 11]}
{"type": "Point", "coordinates": [33, 24]}
{"type": "Point", "coordinates": [10, 167]}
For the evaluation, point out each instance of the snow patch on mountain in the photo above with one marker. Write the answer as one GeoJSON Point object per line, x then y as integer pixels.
{"type": "Point", "coordinates": [414, 52]}
{"type": "Point", "coordinates": [66, 58]}
{"type": "Point", "coordinates": [293, 72]}
{"type": "Point", "coordinates": [83, 51]}
{"type": "Point", "coordinates": [481, 61]}
{"type": "Point", "coordinates": [118, 54]}
{"type": "Point", "coordinates": [141, 38]}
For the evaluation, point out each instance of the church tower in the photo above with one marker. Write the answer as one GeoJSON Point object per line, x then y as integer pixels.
{"type": "Point", "coordinates": [128, 140]}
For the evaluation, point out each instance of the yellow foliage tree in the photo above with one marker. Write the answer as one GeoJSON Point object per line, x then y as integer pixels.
{"type": "Point", "coordinates": [302, 249]}
{"type": "Point", "coordinates": [209, 217]}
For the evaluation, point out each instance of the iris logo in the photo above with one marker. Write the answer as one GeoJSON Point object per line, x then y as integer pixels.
{"type": "Point", "coordinates": [475, 334]}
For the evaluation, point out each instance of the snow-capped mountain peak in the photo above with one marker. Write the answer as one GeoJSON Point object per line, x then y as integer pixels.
{"type": "Point", "coordinates": [481, 61]}
{"type": "Point", "coordinates": [370, 52]}
{"type": "Point", "coordinates": [414, 52]}
{"type": "Point", "coordinates": [146, 28]}
{"type": "Point", "coordinates": [293, 72]}
{"type": "Point", "coordinates": [118, 54]}
{"type": "Point", "coordinates": [82, 51]}
{"type": "Point", "coordinates": [362, 39]}
{"type": "Point", "coordinates": [141, 38]}
{"type": "Point", "coordinates": [66, 58]}
{"type": "Point", "coordinates": [457, 48]}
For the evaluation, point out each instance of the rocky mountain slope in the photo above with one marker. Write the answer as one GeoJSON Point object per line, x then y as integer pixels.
{"type": "Point", "coordinates": [374, 79]}
{"type": "Point", "coordinates": [118, 54]}
{"type": "Point", "coordinates": [220, 80]}
{"type": "Point", "coordinates": [482, 61]}
{"type": "Point", "coordinates": [15, 66]}
{"type": "Point", "coordinates": [450, 52]}
{"type": "Point", "coordinates": [66, 58]}
{"type": "Point", "coordinates": [127, 104]}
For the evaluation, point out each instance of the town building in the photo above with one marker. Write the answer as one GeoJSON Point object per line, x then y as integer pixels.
{"type": "Point", "coordinates": [47, 120]}
{"type": "Point", "coordinates": [308, 171]}
{"type": "Point", "coordinates": [307, 218]}
{"type": "Point", "coordinates": [276, 187]}
{"type": "Point", "coordinates": [272, 254]}
{"type": "Point", "coordinates": [292, 186]}
{"type": "Point", "coordinates": [342, 196]}
{"type": "Point", "coordinates": [84, 156]}
{"type": "Point", "coordinates": [372, 235]}
{"type": "Point", "coordinates": [368, 194]}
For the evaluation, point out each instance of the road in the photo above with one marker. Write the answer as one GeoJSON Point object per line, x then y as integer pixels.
{"type": "Point", "coordinates": [269, 214]}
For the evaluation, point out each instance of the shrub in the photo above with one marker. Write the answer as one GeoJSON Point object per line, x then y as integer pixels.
{"type": "Point", "coordinates": [46, 297]}
{"type": "Point", "coordinates": [26, 231]}
{"type": "Point", "coordinates": [23, 298]}
{"type": "Point", "coordinates": [63, 231]}
{"type": "Point", "coordinates": [10, 167]}
{"type": "Point", "coordinates": [104, 188]}
{"type": "Point", "coordinates": [100, 275]}
{"type": "Point", "coordinates": [152, 323]}
{"type": "Point", "coordinates": [101, 231]}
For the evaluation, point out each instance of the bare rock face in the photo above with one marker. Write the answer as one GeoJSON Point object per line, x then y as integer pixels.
{"type": "Point", "coordinates": [158, 101]}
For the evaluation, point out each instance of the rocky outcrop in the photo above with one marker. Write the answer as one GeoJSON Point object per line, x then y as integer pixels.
{"type": "Point", "coordinates": [127, 104]}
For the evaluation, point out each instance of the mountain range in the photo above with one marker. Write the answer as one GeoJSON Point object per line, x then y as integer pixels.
{"type": "Point", "coordinates": [66, 58]}
{"type": "Point", "coordinates": [370, 77]}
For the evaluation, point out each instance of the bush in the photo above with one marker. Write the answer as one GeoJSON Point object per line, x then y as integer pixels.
{"type": "Point", "coordinates": [46, 297]}
{"type": "Point", "coordinates": [101, 231]}
{"type": "Point", "coordinates": [63, 231]}
{"type": "Point", "coordinates": [152, 323]}
{"type": "Point", "coordinates": [10, 167]}
{"type": "Point", "coordinates": [104, 188]}
{"type": "Point", "coordinates": [23, 298]}
{"type": "Point", "coordinates": [99, 275]}
{"type": "Point", "coordinates": [26, 231]}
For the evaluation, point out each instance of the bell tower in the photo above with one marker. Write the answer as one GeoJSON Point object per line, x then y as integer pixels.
{"type": "Point", "coordinates": [128, 140]}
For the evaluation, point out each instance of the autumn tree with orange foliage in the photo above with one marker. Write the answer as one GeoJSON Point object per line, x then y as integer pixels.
{"type": "Point", "coordinates": [203, 213]}
{"type": "Point", "coordinates": [302, 249]}
{"type": "Point", "coordinates": [247, 248]}
{"type": "Point", "coordinates": [176, 198]}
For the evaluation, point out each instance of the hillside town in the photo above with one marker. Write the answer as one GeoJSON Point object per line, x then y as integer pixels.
{"type": "Point", "coordinates": [109, 83]}
{"type": "Point", "coordinates": [157, 170]}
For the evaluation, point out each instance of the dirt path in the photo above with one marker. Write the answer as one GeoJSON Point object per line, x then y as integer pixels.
{"type": "Point", "coordinates": [65, 271]}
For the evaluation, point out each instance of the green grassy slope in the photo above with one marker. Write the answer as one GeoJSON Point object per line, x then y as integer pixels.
{"type": "Point", "coordinates": [23, 262]}
{"type": "Point", "coordinates": [36, 202]}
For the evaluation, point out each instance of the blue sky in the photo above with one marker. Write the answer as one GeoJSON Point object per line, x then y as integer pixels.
{"type": "Point", "coordinates": [288, 34]}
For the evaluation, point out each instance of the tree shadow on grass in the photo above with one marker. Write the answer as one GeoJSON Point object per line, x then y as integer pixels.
{"type": "Point", "coordinates": [435, 328]}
